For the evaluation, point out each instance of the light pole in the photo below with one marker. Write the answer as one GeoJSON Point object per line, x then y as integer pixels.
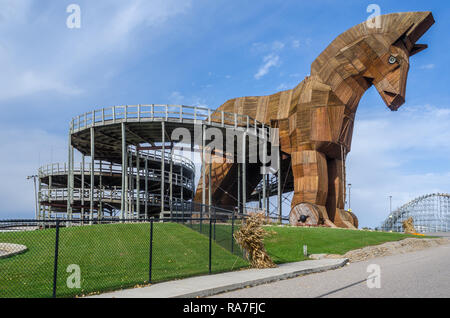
{"type": "Point", "coordinates": [390, 210]}
{"type": "Point", "coordinates": [349, 197]}
{"type": "Point", "coordinates": [35, 195]}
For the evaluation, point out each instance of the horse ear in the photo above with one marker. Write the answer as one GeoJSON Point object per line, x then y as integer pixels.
{"type": "Point", "coordinates": [420, 27]}
{"type": "Point", "coordinates": [416, 30]}
{"type": "Point", "coordinates": [417, 48]}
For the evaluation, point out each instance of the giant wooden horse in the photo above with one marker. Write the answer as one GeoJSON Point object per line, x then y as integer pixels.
{"type": "Point", "coordinates": [316, 118]}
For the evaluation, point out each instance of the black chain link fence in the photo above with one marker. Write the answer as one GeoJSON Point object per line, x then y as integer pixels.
{"type": "Point", "coordinates": [68, 258]}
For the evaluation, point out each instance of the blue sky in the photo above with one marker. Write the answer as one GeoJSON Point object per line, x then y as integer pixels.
{"type": "Point", "coordinates": [203, 53]}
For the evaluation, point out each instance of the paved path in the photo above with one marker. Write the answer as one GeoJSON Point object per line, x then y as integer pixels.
{"type": "Point", "coordinates": [213, 284]}
{"type": "Point", "coordinates": [424, 273]}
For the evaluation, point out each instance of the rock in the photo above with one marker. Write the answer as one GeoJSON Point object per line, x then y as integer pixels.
{"type": "Point", "coordinates": [8, 249]}
{"type": "Point", "coordinates": [390, 248]}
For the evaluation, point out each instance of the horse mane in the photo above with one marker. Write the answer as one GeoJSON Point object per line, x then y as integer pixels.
{"type": "Point", "coordinates": [411, 25]}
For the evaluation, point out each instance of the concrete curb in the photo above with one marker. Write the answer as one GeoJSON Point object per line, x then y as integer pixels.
{"type": "Point", "coordinates": [204, 286]}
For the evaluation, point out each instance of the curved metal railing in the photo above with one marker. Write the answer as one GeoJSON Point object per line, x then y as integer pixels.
{"type": "Point", "coordinates": [156, 155]}
{"type": "Point", "coordinates": [108, 169]}
{"type": "Point", "coordinates": [156, 112]}
{"type": "Point", "coordinates": [114, 197]}
{"type": "Point", "coordinates": [105, 195]}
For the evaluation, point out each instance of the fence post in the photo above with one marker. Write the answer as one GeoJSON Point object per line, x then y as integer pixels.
{"type": "Point", "coordinates": [232, 232]}
{"type": "Point", "coordinates": [182, 210]}
{"type": "Point", "coordinates": [201, 218]}
{"type": "Point", "coordinates": [150, 252]}
{"type": "Point", "coordinates": [210, 242]}
{"type": "Point", "coordinates": [55, 267]}
{"type": "Point", "coordinates": [215, 220]}
{"type": "Point", "coordinates": [192, 211]}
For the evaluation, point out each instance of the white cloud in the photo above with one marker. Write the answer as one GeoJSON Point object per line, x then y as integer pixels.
{"type": "Point", "coordinates": [176, 98]}
{"type": "Point", "coordinates": [261, 47]}
{"type": "Point", "coordinates": [277, 46]}
{"type": "Point", "coordinates": [23, 151]}
{"type": "Point", "coordinates": [109, 32]}
{"type": "Point", "coordinates": [427, 67]}
{"type": "Point", "coordinates": [142, 12]}
{"type": "Point", "coordinates": [13, 12]}
{"type": "Point", "coordinates": [283, 87]}
{"type": "Point", "coordinates": [270, 61]}
{"type": "Point", "coordinates": [396, 154]}
{"type": "Point", "coordinates": [295, 44]}
{"type": "Point", "coordinates": [29, 82]}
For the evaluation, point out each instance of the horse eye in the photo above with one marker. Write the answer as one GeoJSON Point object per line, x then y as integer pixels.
{"type": "Point", "coordinates": [392, 59]}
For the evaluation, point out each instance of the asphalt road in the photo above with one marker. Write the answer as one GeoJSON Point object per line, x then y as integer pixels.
{"type": "Point", "coordinates": [421, 274]}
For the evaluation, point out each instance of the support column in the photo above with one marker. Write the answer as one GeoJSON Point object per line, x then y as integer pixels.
{"type": "Point", "coordinates": [124, 169]}
{"type": "Point", "coordinates": [279, 194]}
{"type": "Point", "coordinates": [100, 197]}
{"type": "Point", "coordinates": [182, 190]}
{"type": "Point", "coordinates": [138, 185]}
{"type": "Point", "coordinates": [82, 187]}
{"type": "Point", "coordinates": [91, 212]}
{"type": "Point", "coordinates": [125, 191]}
{"type": "Point", "coordinates": [171, 182]}
{"type": "Point", "coordinates": [130, 186]}
{"type": "Point", "coordinates": [209, 187]}
{"type": "Point", "coordinates": [259, 200]}
{"type": "Point", "coordinates": [146, 188]}
{"type": "Point", "coordinates": [244, 174]}
{"type": "Point", "coordinates": [50, 185]}
{"type": "Point", "coordinates": [239, 187]}
{"type": "Point", "coordinates": [38, 198]}
{"type": "Point", "coordinates": [203, 170]}
{"type": "Point", "coordinates": [264, 179]}
{"type": "Point", "coordinates": [69, 183]}
{"type": "Point", "coordinates": [163, 166]}
{"type": "Point", "coordinates": [268, 194]}
{"type": "Point", "coordinates": [72, 180]}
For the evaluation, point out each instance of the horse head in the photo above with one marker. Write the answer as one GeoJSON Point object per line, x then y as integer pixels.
{"type": "Point", "coordinates": [392, 67]}
{"type": "Point", "coordinates": [367, 55]}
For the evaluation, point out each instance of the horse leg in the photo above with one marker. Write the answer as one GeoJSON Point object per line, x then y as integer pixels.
{"type": "Point", "coordinates": [309, 168]}
{"type": "Point", "coordinates": [336, 194]}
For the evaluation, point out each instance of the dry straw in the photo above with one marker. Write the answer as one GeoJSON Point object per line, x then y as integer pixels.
{"type": "Point", "coordinates": [408, 226]}
{"type": "Point", "coordinates": [250, 237]}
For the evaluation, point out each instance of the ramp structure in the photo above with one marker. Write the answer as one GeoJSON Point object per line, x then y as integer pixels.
{"type": "Point", "coordinates": [430, 214]}
{"type": "Point", "coordinates": [141, 192]}
{"type": "Point", "coordinates": [130, 168]}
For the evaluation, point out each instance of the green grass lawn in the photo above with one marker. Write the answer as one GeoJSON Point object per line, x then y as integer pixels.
{"type": "Point", "coordinates": [110, 257]}
{"type": "Point", "coordinates": [221, 233]}
{"type": "Point", "coordinates": [116, 256]}
{"type": "Point", "coordinates": [287, 244]}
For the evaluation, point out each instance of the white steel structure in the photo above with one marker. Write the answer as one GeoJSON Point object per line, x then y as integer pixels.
{"type": "Point", "coordinates": [431, 213]}
{"type": "Point", "coordinates": [129, 168]}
